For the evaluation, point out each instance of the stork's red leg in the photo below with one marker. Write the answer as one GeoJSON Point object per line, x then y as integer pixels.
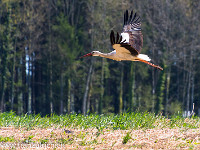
{"type": "Point", "coordinates": [156, 66]}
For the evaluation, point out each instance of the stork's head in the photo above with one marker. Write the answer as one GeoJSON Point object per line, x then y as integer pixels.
{"type": "Point", "coordinates": [93, 53]}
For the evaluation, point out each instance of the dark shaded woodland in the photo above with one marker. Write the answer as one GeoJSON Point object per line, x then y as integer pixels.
{"type": "Point", "coordinates": [41, 42]}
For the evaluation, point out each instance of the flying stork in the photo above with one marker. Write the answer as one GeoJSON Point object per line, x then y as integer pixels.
{"type": "Point", "coordinates": [128, 45]}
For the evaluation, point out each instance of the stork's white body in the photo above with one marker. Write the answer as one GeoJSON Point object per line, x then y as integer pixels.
{"type": "Point", "coordinates": [122, 53]}
{"type": "Point", "coordinates": [121, 56]}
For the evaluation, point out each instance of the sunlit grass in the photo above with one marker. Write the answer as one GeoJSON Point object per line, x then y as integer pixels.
{"type": "Point", "coordinates": [124, 121]}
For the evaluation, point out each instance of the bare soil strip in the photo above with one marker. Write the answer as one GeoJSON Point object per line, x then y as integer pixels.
{"type": "Point", "coordinates": [93, 139]}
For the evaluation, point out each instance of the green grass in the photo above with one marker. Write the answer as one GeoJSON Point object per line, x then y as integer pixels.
{"type": "Point", "coordinates": [124, 121]}
{"type": "Point", "coordinates": [126, 138]}
{"type": "Point", "coordinates": [29, 139]}
{"type": "Point", "coordinates": [6, 139]}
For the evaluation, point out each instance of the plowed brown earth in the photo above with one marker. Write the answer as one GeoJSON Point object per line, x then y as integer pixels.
{"type": "Point", "coordinates": [93, 139]}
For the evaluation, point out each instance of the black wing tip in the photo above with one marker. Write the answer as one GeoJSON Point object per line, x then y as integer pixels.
{"type": "Point", "coordinates": [114, 40]}
{"type": "Point", "coordinates": [132, 18]}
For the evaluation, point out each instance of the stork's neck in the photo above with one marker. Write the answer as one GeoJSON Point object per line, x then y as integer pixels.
{"type": "Point", "coordinates": [106, 55]}
{"type": "Point", "coordinates": [103, 54]}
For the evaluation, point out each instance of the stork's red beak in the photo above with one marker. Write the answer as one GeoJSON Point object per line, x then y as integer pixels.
{"type": "Point", "coordinates": [89, 54]}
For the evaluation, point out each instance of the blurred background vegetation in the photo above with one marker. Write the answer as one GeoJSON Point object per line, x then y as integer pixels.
{"type": "Point", "coordinates": [41, 41]}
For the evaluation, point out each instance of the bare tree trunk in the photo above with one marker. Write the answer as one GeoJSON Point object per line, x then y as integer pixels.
{"type": "Point", "coordinates": [189, 81]}
{"type": "Point", "coordinates": [16, 80]}
{"type": "Point", "coordinates": [184, 79]}
{"type": "Point", "coordinates": [72, 98]}
{"type": "Point", "coordinates": [20, 104]}
{"type": "Point", "coordinates": [4, 54]}
{"type": "Point", "coordinates": [153, 85]}
{"type": "Point", "coordinates": [3, 73]}
{"type": "Point", "coordinates": [33, 86]}
{"type": "Point", "coordinates": [61, 92]}
{"type": "Point", "coordinates": [50, 88]}
{"type": "Point", "coordinates": [87, 88]}
{"type": "Point", "coordinates": [24, 82]}
{"type": "Point", "coordinates": [69, 96]}
{"type": "Point", "coordinates": [178, 83]}
{"type": "Point", "coordinates": [50, 61]}
{"type": "Point", "coordinates": [29, 109]}
{"type": "Point", "coordinates": [188, 92]}
{"type": "Point", "coordinates": [133, 99]}
{"type": "Point", "coordinates": [12, 86]}
{"type": "Point", "coordinates": [13, 77]}
{"type": "Point", "coordinates": [167, 92]}
{"type": "Point", "coordinates": [89, 97]}
{"type": "Point", "coordinates": [192, 92]}
{"type": "Point", "coordinates": [102, 88]}
{"type": "Point", "coordinates": [121, 90]}
{"type": "Point", "coordinates": [29, 99]}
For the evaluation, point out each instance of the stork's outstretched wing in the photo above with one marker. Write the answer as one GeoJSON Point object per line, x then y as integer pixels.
{"type": "Point", "coordinates": [120, 45]}
{"type": "Point", "coordinates": [132, 26]}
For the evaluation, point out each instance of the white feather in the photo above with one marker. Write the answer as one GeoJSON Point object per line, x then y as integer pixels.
{"type": "Point", "coordinates": [125, 36]}
{"type": "Point", "coordinates": [144, 57]}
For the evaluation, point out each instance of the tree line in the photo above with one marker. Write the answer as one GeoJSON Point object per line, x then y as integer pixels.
{"type": "Point", "coordinates": [41, 42]}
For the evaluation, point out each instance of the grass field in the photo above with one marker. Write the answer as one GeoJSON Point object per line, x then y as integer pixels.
{"type": "Point", "coordinates": [124, 131]}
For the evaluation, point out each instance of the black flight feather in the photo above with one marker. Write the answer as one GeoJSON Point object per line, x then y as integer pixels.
{"type": "Point", "coordinates": [130, 17]}
{"type": "Point", "coordinates": [133, 18]}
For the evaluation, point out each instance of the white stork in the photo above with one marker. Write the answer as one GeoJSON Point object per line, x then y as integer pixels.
{"type": "Point", "coordinates": [129, 44]}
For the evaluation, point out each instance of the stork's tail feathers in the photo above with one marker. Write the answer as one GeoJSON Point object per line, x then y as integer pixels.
{"type": "Point", "coordinates": [144, 57]}
{"type": "Point", "coordinates": [156, 66]}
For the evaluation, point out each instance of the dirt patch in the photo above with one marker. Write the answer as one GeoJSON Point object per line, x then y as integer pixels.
{"type": "Point", "coordinates": [92, 138]}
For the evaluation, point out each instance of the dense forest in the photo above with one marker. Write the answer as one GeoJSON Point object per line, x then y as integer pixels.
{"type": "Point", "coordinates": [41, 42]}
